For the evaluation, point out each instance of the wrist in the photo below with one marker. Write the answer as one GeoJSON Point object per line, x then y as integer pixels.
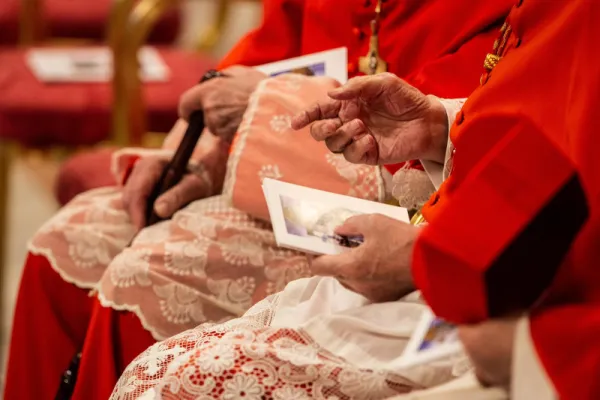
{"type": "Point", "coordinates": [437, 126]}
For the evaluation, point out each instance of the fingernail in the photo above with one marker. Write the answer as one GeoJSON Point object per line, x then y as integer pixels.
{"type": "Point", "coordinates": [161, 208]}
{"type": "Point", "coordinates": [297, 121]}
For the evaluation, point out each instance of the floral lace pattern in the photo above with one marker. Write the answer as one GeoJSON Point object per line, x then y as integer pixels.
{"type": "Point", "coordinates": [253, 358]}
{"type": "Point", "coordinates": [211, 261]}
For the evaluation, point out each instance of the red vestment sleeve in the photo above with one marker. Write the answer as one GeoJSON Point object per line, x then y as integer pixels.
{"type": "Point", "coordinates": [494, 245]}
{"type": "Point", "coordinates": [566, 341]}
{"type": "Point", "coordinates": [277, 38]}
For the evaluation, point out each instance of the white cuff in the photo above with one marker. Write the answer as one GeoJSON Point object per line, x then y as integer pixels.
{"type": "Point", "coordinates": [435, 170]}
{"type": "Point", "coordinates": [529, 380]}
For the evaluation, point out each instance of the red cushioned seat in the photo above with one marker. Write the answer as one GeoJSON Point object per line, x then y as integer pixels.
{"type": "Point", "coordinates": [72, 114]}
{"type": "Point", "coordinates": [79, 19]}
{"type": "Point", "coordinates": [83, 172]}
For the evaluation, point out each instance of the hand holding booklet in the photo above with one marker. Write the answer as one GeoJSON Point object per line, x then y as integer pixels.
{"type": "Point", "coordinates": [305, 219]}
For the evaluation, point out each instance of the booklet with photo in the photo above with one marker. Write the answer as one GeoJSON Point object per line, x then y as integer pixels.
{"type": "Point", "coordinates": [331, 63]}
{"type": "Point", "coordinates": [433, 339]}
{"type": "Point", "coordinates": [304, 219]}
{"type": "Point", "coordinates": [90, 64]}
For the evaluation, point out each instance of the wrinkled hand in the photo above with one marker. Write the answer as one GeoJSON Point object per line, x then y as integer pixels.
{"type": "Point", "coordinates": [380, 268]}
{"type": "Point", "coordinates": [379, 119]}
{"type": "Point", "coordinates": [490, 347]}
{"type": "Point", "coordinates": [224, 100]}
{"type": "Point", "coordinates": [141, 182]}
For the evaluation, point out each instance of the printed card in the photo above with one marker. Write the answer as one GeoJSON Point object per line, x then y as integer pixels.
{"type": "Point", "coordinates": [304, 219]}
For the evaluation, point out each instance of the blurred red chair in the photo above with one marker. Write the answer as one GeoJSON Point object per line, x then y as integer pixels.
{"type": "Point", "coordinates": [34, 114]}
{"type": "Point", "coordinates": [89, 170]}
{"type": "Point", "coordinates": [33, 21]}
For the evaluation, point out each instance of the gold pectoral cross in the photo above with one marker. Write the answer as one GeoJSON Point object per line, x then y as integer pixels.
{"type": "Point", "coordinates": [372, 63]}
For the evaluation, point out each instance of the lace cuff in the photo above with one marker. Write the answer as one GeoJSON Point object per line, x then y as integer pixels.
{"type": "Point", "coordinates": [437, 172]}
{"type": "Point", "coordinates": [411, 187]}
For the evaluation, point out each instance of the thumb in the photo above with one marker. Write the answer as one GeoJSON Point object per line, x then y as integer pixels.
{"type": "Point", "coordinates": [354, 226]}
{"type": "Point", "coordinates": [189, 189]}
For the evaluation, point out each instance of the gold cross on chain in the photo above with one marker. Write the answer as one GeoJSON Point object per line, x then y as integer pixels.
{"type": "Point", "coordinates": [371, 63]}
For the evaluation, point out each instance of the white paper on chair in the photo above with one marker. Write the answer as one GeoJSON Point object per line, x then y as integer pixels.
{"type": "Point", "coordinates": [304, 219]}
{"type": "Point", "coordinates": [433, 339]}
{"type": "Point", "coordinates": [54, 65]}
{"type": "Point", "coordinates": [331, 63]}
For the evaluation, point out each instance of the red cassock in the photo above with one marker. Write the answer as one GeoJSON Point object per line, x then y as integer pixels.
{"type": "Point", "coordinates": [517, 224]}
{"type": "Point", "coordinates": [421, 44]}
{"type": "Point", "coordinates": [436, 45]}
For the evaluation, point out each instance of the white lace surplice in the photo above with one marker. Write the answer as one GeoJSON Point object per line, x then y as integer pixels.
{"type": "Point", "coordinates": [211, 261]}
{"type": "Point", "coordinates": [315, 339]}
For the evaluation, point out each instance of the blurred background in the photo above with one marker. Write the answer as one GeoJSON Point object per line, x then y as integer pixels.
{"type": "Point", "coordinates": [47, 119]}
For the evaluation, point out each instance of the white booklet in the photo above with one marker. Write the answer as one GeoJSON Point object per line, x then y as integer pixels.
{"type": "Point", "coordinates": [332, 63]}
{"type": "Point", "coordinates": [93, 64]}
{"type": "Point", "coordinates": [304, 219]}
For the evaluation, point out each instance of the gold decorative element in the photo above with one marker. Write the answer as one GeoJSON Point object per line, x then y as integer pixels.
{"type": "Point", "coordinates": [209, 37]}
{"type": "Point", "coordinates": [417, 219]}
{"type": "Point", "coordinates": [5, 164]}
{"type": "Point", "coordinates": [129, 111]}
{"type": "Point", "coordinates": [491, 60]}
{"type": "Point", "coordinates": [372, 63]}
{"type": "Point", "coordinates": [129, 116]}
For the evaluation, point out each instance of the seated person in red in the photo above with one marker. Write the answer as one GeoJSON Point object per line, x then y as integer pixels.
{"type": "Point", "coordinates": [89, 292]}
{"type": "Point", "coordinates": [510, 252]}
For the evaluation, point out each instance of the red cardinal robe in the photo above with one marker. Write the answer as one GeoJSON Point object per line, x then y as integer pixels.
{"type": "Point", "coordinates": [517, 224]}
{"type": "Point", "coordinates": [436, 45]}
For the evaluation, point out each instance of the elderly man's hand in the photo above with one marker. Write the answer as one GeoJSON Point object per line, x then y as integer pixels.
{"type": "Point", "coordinates": [490, 347]}
{"type": "Point", "coordinates": [379, 119]}
{"type": "Point", "coordinates": [141, 182]}
{"type": "Point", "coordinates": [379, 268]}
{"type": "Point", "coordinates": [224, 100]}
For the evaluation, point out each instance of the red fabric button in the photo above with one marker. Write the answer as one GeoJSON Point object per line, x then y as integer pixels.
{"type": "Point", "coordinates": [352, 68]}
{"type": "Point", "coordinates": [360, 35]}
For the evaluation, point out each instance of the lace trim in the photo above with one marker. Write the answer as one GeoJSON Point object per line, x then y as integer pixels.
{"type": "Point", "coordinates": [49, 256]}
{"type": "Point", "coordinates": [240, 143]}
{"type": "Point", "coordinates": [412, 188]}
